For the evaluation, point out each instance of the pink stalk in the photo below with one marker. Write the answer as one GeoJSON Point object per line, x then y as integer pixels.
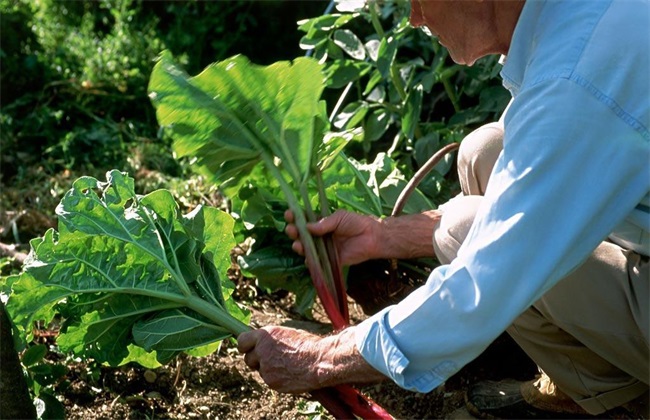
{"type": "Point", "coordinates": [331, 308]}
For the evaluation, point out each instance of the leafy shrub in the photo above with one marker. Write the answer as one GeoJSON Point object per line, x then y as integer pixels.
{"type": "Point", "coordinates": [399, 85]}
{"type": "Point", "coordinates": [78, 70]}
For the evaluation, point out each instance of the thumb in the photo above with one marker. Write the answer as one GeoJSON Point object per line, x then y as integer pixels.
{"type": "Point", "coordinates": [326, 225]}
{"type": "Point", "coordinates": [247, 341]}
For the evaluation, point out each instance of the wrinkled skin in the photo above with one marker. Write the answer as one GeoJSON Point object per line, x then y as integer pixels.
{"type": "Point", "coordinates": [296, 361]}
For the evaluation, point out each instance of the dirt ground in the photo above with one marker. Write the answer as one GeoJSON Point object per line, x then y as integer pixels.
{"type": "Point", "coordinates": [220, 386]}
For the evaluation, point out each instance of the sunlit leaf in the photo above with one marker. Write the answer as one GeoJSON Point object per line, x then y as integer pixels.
{"type": "Point", "coordinates": [350, 43]}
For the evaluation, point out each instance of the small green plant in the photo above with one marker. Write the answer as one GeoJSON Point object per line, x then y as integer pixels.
{"type": "Point", "coordinates": [135, 281]}
{"type": "Point", "coordinates": [312, 410]}
{"type": "Point", "coordinates": [43, 379]}
{"type": "Point", "coordinates": [235, 117]}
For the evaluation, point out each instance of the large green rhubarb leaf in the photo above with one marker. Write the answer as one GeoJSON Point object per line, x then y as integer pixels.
{"type": "Point", "coordinates": [129, 270]}
{"type": "Point", "coordinates": [227, 116]}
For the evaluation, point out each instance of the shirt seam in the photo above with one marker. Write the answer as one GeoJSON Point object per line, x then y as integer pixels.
{"type": "Point", "coordinates": [600, 96]}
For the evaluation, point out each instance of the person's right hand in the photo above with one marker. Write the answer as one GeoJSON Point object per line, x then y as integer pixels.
{"type": "Point", "coordinates": [356, 237]}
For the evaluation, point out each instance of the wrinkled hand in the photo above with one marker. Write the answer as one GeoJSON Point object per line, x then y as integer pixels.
{"type": "Point", "coordinates": [284, 357]}
{"type": "Point", "coordinates": [296, 361]}
{"type": "Point", "coordinates": [355, 236]}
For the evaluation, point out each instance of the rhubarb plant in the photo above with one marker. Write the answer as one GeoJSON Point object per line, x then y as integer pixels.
{"type": "Point", "coordinates": [235, 116]}
{"type": "Point", "coordinates": [131, 275]}
{"type": "Point", "coordinates": [133, 278]}
{"type": "Point", "coordinates": [262, 135]}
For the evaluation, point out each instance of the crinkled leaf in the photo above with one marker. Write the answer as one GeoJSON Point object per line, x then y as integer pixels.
{"type": "Point", "coordinates": [119, 259]}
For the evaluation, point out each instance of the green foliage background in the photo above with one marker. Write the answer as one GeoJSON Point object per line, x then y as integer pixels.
{"type": "Point", "coordinates": [74, 98]}
{"type": "Point", "coordinates": [74, 74]}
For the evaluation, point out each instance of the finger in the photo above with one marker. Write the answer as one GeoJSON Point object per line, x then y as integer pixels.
{"type": "Point", "coordinates": [252, 361]}
{"type": "Point", "coordinates": [291, 231]}
{"type": "Point", "coordinates": [246, 341]}
{"type": "Point", "coordinates": [288, 216]}
{"type": "Point", "coordinates": [298, 248]}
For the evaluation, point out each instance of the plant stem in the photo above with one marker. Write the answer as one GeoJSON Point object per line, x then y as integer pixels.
{"type": "Point", "coordinates": [445, 75]}
{"type": "Point", "coordinates": [452, 95]}
{"type": "Point", "coordinates": [332, 254]}
{"type": "Point", "coordinates": [397, 82]}
{"type": "Point", "coordinates": [339, 103]}
{"type": "Point", "coordinates": [311, 255]}
{"type": "Point", "coordinates": [375, 19]}
{"type": "Point", "coordinates": [217, 315]}
{"type": "Point", "coordinates": [321, 250]}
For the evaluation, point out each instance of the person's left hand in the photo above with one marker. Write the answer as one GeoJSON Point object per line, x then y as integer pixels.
{"type": "Point", "coordinates": [297, 361]}
{"type": "Point", "coordinates": [285, 357]}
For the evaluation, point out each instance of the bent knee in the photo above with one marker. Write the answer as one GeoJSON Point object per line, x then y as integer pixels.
{"type": "Point", "coordinates": [457, 217]}
{"type": "Point", "coordinates": [477, 155]}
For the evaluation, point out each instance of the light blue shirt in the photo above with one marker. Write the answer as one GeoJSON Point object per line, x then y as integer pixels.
{"type": "Point", "coordinates": [575, 165]}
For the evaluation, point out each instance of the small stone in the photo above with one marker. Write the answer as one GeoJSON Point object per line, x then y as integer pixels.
{"type": "Point", "coordinates": [150, 376]}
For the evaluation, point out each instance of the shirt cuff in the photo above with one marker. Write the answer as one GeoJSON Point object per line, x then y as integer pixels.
{"type": "Point", "coordinates": [378, 347]}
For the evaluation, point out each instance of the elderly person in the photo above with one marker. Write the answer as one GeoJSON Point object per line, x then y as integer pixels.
{"type": "Point", "coordinates": [549, 240]}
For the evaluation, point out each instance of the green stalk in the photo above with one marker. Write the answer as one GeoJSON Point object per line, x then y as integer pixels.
{"type": "Point", "coordinates": [445, 75]}
{"type": "Point", "coordinates": [397, 81]}
{"type": "Point", "coordinates": [374, 19]}
{"type": "Point", "coordinates": [451, 94]}
{"type": "Point", "coordinates": [311, 254]}
{"type": "Point", "coordinates": [217, 315]}
{"type": "Point", "coordinates": [321, 250]}
{"type": "Point", "coordinates": [323, 284]}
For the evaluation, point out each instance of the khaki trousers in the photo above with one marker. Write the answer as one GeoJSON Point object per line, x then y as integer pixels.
{"type": "Point", "coordinates": [590, 332]}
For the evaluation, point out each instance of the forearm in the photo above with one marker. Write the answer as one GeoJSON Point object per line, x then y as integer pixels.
{"type": "Point", "coordinates": [409, 236]}
{"type": "Point", "coordinates": [341, 362]}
